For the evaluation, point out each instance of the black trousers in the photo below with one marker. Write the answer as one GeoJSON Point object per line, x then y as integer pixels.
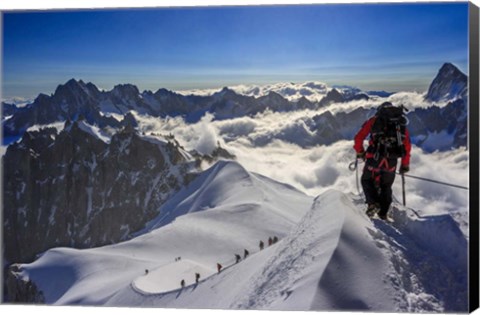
{"type": "Point", "coordinates": [377, 182]}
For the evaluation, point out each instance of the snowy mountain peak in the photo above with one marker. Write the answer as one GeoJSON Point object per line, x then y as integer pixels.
{"type": "Point", "coordinates": [76, 88]}
{"type": "Point", "coordinates": [125, 90]}
{"type": "Point", "coordinates": [448, 68]}
{"type": "Point", "coordinates": [449, 84]}
{"type": "Point", "coordinates": [74, 83]}
{"type": "Point", "coordinates": [163, 92]}
{"type": "Point", "coordinates": [273, 94]}
{"type": "Point", "coordinates": [333, 96]}
{"type": "Point", "coordinates": [225, 92]}
{"type": "Point", "coordinates": [211, 190]}
{"type": "Point", "coordinates": [71, 84]}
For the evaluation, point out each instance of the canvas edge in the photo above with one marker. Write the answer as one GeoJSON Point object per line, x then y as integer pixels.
{"type": "Point", "coordinates": [474, 139]}
{"type": "Point", "coordinates": [474, 155]}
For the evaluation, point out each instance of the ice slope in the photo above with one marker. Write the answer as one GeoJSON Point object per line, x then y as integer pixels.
{"type": "Point", "coordinates": [330, 255]}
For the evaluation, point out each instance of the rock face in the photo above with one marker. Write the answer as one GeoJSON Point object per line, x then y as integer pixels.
{"type": "Point", "coordinates": [332, 96]}
{"type": "Point", "coordinates": [21, 290]}
{"type": "Point", "coordinates": [75, 189]}
{"type": "Point", "coordinates": [71, 100]}
{"type": "Point", "coordinates": [8, 109]}
{"type": "Point", "coordinates": [449, 84]}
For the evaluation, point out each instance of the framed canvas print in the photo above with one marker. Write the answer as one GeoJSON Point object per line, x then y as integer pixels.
{"type": "Point", "coordinates": [281, 157]}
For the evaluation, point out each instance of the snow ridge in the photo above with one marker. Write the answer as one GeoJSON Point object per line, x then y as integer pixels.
{"type": "Point", "coordinates": [428, 261]}
{"type": "Point", "coordinates": [330, 256]}
{"type": "Point", "coordinates": [278, 279]}
{"type": "Point", "coordinates": [317, 255]}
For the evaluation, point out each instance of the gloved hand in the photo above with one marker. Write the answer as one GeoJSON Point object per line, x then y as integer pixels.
{"type": "Point", "coordinates": [404, 169]}
{"type": "Point", "coordinates": [361, 155]}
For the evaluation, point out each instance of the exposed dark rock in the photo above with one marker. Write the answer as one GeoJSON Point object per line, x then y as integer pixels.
{"type": "Point", "coordinates": [358, 97]}
{"type": "Point", "coordinates": [333, 96]}
{"type": "Point", "coordinates": [449, 84]}
{"type": "Point", "coordinates": [275, 102]}
{"type": "Point", "coordinates": [20, 290]}
{"type": "Point", "coordinates": [8, 109]}
{"type": "Point", "coordinates": [304, 103]}
{"type": "Point", "coordinates": [73, 189]}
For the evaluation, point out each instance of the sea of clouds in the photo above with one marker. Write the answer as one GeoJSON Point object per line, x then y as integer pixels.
{"type": "Point", "coordinates": [314, 91]}
{"type": "Point", "coordinates": [18, 101]}
{"type": "Point", "coordinates": [256, 143]}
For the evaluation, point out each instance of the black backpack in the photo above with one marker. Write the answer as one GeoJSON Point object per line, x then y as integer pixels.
{"type": "Point", "coordinates": [388, 132]}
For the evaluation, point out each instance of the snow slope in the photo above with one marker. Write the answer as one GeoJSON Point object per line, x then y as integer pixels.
{"type": "Point", "coordinates": [229, 210]}
{"type": "Point", "coordinates": [329, 256]}
{"type": "Point", "coordinates": [327, 262]}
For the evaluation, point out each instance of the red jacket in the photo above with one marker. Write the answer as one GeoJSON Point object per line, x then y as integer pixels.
{"type": "Point", "coordinates": [365, 131]}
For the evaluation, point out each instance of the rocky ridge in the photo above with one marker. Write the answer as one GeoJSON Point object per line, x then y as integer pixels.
{"type": "Point", "coordinates": [77, 188]}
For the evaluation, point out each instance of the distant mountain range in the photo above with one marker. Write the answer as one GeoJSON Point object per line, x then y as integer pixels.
{"type": "Point", "coordinates": [108, 108]}
{"type": "Point", "coordinates": [76, 98]}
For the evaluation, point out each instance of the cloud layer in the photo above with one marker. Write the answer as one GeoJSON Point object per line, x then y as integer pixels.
{"type": "Point", "coordinates": [315, 91]}
{"type": "Point", "coordinates": [255, 142]}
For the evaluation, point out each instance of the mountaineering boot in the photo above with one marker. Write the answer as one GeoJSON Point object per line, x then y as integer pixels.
{"type": "Point", "coordinates": [382, 216]}
{"type": "Point", "coordinates": [372, 209]}
{"type": "Point", "coordinates": [385, 217]}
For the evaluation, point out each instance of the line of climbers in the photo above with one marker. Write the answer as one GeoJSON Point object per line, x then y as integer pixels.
{"type": "Point", "coordinates": [246, 253]}
{"type": "Point", "coordinates": [238, 258]}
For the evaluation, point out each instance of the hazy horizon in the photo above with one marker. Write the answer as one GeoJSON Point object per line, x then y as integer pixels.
{"type": "Point", "coordinates": [391, 47]}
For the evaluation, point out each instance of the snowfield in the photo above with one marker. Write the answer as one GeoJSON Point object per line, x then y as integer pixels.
{"type": "Point", "coordinates": [329, 256]}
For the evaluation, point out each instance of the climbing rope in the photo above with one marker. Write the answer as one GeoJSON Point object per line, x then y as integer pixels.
{"type": "Point", "coordinates": [434, 181]}
{"type": "Point", "coordinates": [353, 167]}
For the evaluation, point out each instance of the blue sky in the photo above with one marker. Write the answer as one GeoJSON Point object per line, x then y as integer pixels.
{"type": "Point", "coordinates": [390, 46]}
